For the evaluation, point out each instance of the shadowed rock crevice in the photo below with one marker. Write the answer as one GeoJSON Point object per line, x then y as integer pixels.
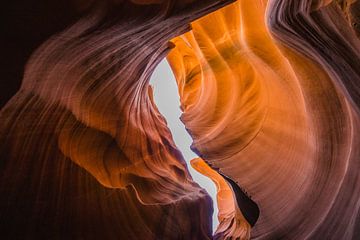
{"type": "Point", "coordinates": [248, 207]}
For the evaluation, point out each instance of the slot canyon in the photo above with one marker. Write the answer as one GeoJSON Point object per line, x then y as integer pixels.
{"type": "Point", "coordinates": [180, 119]}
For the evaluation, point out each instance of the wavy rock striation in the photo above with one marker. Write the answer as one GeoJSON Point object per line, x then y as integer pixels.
{"type": "Point", "coordinates": [85, 154]}
{"type": "Point", "coordinates": [270, 91]}
{"type": "Point", "coordinates": [270, 95]}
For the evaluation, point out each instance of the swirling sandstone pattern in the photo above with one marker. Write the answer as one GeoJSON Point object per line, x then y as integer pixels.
{"type": "Point", "coordinates": [85, 154]}
{"type": "Point", "coordinates": [270, 95]}
{"type": "Point", "coordinates": [270, 91]}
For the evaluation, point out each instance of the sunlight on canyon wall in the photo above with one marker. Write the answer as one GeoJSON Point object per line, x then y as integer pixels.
{"type": "Point", "coordinates": [269, 94]}
{"type": "Point", "coordinates": [282, 124]}
{"type": "Point", "coordinates": [166, 98]}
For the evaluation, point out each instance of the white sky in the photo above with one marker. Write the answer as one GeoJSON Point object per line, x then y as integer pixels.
{"type": "Point", "coordinates": [166, 97]}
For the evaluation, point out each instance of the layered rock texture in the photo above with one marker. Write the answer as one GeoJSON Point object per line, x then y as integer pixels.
{"type": "Point", "coordinates": [270, 91]}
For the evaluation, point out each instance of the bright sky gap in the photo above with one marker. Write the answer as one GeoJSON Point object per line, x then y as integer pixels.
{"type": "Point", "coordinates": [166, 97]}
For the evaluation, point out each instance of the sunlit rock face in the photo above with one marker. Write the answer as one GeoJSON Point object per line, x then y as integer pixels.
{"type": "Point", "coordinates": [270, 92]}
{"type": "Point", "coordinates": [84, 152]}
{"type": "Point", "coordinates": [232, 221]}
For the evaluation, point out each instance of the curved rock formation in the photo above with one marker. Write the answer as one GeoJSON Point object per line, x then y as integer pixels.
{"type": "Point", "coordinates": [270, 94]}
{"type": "Point", "coordinates": [232, 221]}
{"type": "Point", "coordinates": [85, 154]}
{"type": "Point", "coordinates": [279, 119]}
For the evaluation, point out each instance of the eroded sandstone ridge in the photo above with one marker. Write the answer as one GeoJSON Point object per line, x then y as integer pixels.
{"type": "Point", "coordinates": [270, 91]}
{"type": "Point", "coordinates": [85, 154]}
{"type": "Point", "coordinates": [270, 95]}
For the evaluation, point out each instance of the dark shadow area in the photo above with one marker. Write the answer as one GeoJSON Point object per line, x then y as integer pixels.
{"type": "Point", "coordinates": [24, 26]}
{"type": "Point", "coordinates": [248, 207]}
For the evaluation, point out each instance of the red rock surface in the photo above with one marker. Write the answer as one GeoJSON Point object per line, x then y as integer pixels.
{"type": "Point", "coordinates": [84, 152]}
{"type": "Point", "coordinates": [270, 92]}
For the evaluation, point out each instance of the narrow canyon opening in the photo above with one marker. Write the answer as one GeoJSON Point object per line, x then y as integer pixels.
{"type": "Point", "coordinates": [166, 97]}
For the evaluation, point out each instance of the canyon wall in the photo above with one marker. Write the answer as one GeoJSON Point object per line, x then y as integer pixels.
{"type": "Point", "coordinates": [85, 154]}
{"type": "Point", "coordinates": [270, 93]}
